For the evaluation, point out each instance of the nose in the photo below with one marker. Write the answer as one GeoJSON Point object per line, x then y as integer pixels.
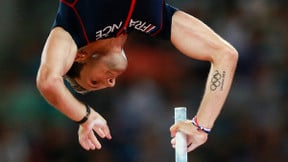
{"type": "Point", "coordinates": [111, 82]}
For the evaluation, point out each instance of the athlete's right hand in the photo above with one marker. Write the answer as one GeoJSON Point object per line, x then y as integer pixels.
{"type": "Point", "coordinates": [87, 137]}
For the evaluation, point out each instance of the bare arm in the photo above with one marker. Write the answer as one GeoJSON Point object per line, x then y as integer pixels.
{"type": "Point", "coordinates": [196, 40]}
{"type": "Point", "coordinates": [57, 57]}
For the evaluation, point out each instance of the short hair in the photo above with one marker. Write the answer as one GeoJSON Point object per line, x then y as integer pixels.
{"type": "Point", "coordinates": [74, 72]}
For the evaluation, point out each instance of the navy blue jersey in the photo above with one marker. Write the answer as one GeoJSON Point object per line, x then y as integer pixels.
{"type": "Point", "coordinates": [90, 20]}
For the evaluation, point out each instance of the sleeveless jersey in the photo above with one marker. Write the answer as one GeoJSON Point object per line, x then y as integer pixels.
{"type": "Point", "coordinates": [91, 20]}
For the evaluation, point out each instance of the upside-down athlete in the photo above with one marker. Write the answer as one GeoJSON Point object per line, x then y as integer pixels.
{"type": "Point", "coordinates": [85, 47]}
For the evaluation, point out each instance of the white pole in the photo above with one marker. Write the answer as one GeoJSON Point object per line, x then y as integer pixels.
{"type": "Point", "coordinates": [181, 143]}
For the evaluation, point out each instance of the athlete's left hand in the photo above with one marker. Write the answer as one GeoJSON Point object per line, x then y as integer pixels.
{"type": "Point", "coordinates": [95, 123]}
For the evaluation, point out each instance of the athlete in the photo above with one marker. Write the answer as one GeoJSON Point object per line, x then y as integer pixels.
{"type": "Point", "coordinates": [85, 47]}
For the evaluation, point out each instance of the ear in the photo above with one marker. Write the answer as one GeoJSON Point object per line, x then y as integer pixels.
{"type": "Point", "coordinates": [81, 56]}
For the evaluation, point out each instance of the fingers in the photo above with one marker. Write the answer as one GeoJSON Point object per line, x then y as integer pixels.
{"type": "Point", "coordinates": [94, 141]}
{"type": "Point", "coordinates": [173, 142]}
{"type": "Point", "coordinates": [100, 132]}
{"type": "Point", "coordinates": [102, 129]}
{"type": "Point", "coordinates": [106, 131]}
{"type": "Point", "coordinates": [87, 138]}
{"type": "Point", "coordinates": [183, 126]}
{"type": "Point", "coordinates": [174, 129]}
{"type": "Point", "coordinates": [192, 147]}
{"type": "Point", "coordinates": [88, 141]}
{"type": "Point", "coordinates": [195, 138]}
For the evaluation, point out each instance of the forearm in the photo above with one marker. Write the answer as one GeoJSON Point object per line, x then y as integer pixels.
{"type": "Point", "coordinates": [57, 58]}
{"type": "Point", "coordinates": [217, 88]}
{"type": "Point", "coordinates": [55, 92]}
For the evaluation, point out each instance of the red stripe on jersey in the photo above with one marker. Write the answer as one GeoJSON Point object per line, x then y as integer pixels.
{"type": "Point", "coordinates": [72, 6]}
{"type": "Point", "coordinates": [161, 25]}
{"type": "Point", "coordinates": [132, 6]}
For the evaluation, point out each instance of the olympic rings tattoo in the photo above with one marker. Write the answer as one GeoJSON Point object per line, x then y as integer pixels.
{"type": "Point", "coordinates": [217, 80]}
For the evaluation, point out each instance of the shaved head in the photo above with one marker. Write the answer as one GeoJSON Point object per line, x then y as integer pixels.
{"type": "Point", "coordinates": [115, 61]}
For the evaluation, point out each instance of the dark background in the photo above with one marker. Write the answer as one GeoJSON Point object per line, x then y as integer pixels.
{"type": "Point", "coordinates": [251, 128]}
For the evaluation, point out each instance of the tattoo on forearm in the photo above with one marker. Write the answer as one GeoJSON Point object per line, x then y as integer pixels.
{"type": "Point", "coordinates": [217, 81]}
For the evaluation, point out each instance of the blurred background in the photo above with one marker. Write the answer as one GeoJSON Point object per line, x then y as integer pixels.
{"type": "Point", "coordinates": [251, 128]}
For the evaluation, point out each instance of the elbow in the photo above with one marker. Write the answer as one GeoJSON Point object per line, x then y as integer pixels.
{"type": "Point", "coordinates": [227, 55]}
{"type": "Point", "coordinates": [47, 84]}
{"type": "Point", "coordinates": [44, 85]}
{"type": "Point", "coordinates": [232, 55]}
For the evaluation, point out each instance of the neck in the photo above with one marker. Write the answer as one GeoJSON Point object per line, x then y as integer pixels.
{"type": "Point", "coordinates": [105, 45]}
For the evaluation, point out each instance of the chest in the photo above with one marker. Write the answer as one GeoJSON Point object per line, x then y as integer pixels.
{"type": "Point", "coordinates": [104, 19]}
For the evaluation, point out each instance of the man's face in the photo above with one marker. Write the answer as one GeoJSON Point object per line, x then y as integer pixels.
{"type": "Point", "coordinates": [101, 72]}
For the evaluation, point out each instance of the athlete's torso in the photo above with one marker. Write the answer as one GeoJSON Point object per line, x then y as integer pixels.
{"type": "Point", "coordinates": [90, 20]}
